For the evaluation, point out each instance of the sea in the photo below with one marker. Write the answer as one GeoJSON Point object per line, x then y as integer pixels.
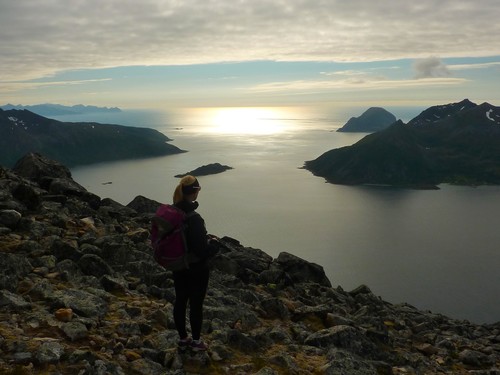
{"type": "Point", "coordinates": [438, 250]}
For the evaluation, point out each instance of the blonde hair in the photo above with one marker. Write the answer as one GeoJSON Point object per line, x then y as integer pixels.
{"type": "Point", "coordinates": [185, 181]}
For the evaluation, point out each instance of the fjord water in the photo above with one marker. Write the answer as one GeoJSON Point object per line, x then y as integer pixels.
{"type": "Point", "coordinates": [438, 250]}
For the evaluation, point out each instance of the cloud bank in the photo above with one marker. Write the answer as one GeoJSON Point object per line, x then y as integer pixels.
{"type": "Point", "coordinates": [41, 38]}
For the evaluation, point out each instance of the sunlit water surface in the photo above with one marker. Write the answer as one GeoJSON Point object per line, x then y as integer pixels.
{"type": "Point", "coordinates": [438, 250]}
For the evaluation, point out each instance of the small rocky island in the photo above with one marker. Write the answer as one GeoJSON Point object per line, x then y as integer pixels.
{"type": "Point", "coordinates": [206, 170]}
{"type": "Point", "coordinates": [80, 293]}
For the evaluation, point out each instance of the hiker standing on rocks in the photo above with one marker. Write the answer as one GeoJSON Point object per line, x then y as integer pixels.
{"type": "Point", "coordinates": [191, 284]}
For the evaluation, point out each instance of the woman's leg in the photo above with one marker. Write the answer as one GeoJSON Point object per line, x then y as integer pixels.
{"type": "Point", "coordinates": [181, 285]}
{"type": "Point", "coordinates": [197, 291]}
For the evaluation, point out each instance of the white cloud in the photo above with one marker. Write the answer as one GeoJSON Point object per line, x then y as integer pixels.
{"type": "Point", "coordinates": [365, 82]}
{"type": "Point", "coordinates": [42, 37]}
{"type": "Point", "coordinates": [474, 66]}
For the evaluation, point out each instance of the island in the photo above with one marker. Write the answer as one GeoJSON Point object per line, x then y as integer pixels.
{"type": "Point", "coordinates": [206, 170]}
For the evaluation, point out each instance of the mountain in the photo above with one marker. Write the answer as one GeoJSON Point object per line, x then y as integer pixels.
{"type": "Point", "coordinates": [22, 131]}
{"type": "Point", "coordinates": [80, 293]}
{"type": "Point", "coordinates": [372, 120]}
{"type": "Point", "coordinates": [58, 110]}
{"type": "Point", "coordinates": [455, 143]}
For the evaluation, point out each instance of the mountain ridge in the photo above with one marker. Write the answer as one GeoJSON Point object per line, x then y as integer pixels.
{"type": "Point", "coordinates": [76, 143]}
{"type": "Point", "coordinates": [457, 143]}
{"type": "Point", "coordinates": [49, 109]}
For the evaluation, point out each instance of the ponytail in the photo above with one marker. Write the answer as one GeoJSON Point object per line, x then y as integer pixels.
{"type": "Point", "coordinates": [187, 186]}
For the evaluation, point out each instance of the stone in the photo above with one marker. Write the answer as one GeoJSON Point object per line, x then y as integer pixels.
{"type": "Point", "coordinates": [345, 337]}
{"type": "Point", "coordinates": [10, 218]}
{"type": "Point", "coordinates": [64, 315]}
{"type": "Point", "coordinates": [49, 352]}
{"type": "Point", "coordinates": [94, 265]}
{"type": "Point", "coordinates": [35, 166]}
{"type": "Point", "coordinates": [301, 270]}
{"type": "Point", "coordinates": [75, 330]}
{"type": "Point", "coordinates": [143, 205]}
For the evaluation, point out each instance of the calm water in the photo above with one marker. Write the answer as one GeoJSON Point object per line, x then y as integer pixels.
{"type": "Point", "coordinates": [438, 250]}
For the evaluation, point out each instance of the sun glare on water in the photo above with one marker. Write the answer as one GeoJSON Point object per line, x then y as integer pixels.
{"type": "Point", "coordinates": [247, 121]}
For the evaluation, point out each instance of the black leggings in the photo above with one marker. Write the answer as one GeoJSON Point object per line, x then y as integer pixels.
{"type": "Point", "coordinates": [190, 286]}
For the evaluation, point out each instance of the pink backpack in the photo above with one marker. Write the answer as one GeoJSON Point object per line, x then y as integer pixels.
{"type": "Point", "coordinates": [168, 238]}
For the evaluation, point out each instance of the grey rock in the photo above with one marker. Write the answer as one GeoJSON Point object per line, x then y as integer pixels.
{"type": "Point", "coordinates": [345, 337]}
{"type": "Point", "coordinates": [343, 363]}
{"type": "Point", "coordinates": [94, 265]}
{"type": "Point", "coordinates": [144, 205]}
{"type": "Point", "coordinates": [35, 167]}
{"type": "Point", "coordinates": [301, 270]}
{"type": "Point", "coordinates": [14, 268]}
{"type": "Point", "coordinates": [75, 330]}
{"type": "Point", "coordinates": [83, 303]}
{"type": "Point", "coordinates": [240, 341]}
{"type": "Point", "coordinates": [10, 218]}
{"type": "Point", "coordinates": [49, 352]}
{"type": "Point", "coordinates": [13, 302]}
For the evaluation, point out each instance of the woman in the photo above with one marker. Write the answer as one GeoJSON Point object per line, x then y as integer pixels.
{"type": "Point", "coordinates": [191, 284]}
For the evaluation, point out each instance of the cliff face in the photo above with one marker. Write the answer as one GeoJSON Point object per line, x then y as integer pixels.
{"type": "Point", "coordinates": [22, 131]}
{"type": "Point", "coordinates": [81, 293]}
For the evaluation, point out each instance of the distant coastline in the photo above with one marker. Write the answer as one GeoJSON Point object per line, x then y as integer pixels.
{"type": "Point", "coordinates": [49, 109]}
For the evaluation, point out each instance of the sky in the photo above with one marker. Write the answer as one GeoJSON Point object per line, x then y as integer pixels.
{"type": "Point", "coordinates": [211, 53]}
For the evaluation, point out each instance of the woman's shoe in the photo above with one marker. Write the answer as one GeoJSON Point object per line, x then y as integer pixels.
{"type": "Point", "coordinates": [198, 346]}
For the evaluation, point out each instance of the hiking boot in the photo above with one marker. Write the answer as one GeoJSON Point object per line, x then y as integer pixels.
{"type": "Point", "coordinates": [184, 344]}
{"type": "Point", "coordinates": [198, 346]}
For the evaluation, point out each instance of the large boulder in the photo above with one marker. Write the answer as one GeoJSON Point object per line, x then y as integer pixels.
{"type": "Point", "coordinates": [300, 270]}
{"type": "Point", "coordinates": [35, 166]}
{"type": "Point", "coordinates": [143, 205]}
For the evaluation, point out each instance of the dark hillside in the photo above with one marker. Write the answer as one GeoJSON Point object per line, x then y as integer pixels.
{"type": "Point", "coordinates": [456, 143]}
{"type": "Point", "coordinates": [22, 131]}
{"type": "Point", "coordinates": [389, 157]}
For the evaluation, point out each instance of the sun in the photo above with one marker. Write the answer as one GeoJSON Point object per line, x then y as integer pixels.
{"type": "Point", "coordinates": [247, 121]}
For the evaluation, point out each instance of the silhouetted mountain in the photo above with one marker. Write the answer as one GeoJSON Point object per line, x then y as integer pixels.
{"type": "Point", "coordinates": [456, 143]}
{"type": "Point", "coordinates": [372, 120]}
{"type": "Point", "coordinates": [58, 110]}
{"type": "Point", "coordinates": [22, 131]}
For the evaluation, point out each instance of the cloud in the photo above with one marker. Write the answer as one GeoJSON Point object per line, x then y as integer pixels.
{"type": "Point", "coordinates": [474, 66]}
{"type": "Point", "coordinates": [365, 82]}
{"type": "Point", "coordinates": [41, 38]}
{"type": "Point", "coordinates": [431, 67]}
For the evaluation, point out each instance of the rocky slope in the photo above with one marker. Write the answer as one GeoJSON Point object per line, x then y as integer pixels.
{"type": "Point", "coordinates": [22, 131]}
{"type": "Point", "coordinates": [81, 294]}
{"type": "Point", "coordinates": [457, 143]}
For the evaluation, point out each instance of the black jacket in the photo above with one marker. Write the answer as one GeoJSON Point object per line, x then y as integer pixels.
{"type": "Point", "coordinates": [198, 241]}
